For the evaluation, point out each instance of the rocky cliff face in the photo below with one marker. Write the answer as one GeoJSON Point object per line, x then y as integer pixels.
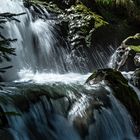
{"type": "Point", "coordinates": [94, 22]}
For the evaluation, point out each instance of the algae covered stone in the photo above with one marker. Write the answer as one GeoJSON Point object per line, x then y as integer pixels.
{"type": "Point", "coordinates": [121, 90]}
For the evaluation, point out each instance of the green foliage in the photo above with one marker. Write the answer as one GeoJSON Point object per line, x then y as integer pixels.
{"type": "Point", "coordinates": [135, 48]}
{"type": "Point", "coordinates": [133, 42]}
{"type": "Point", "coordinates": [5, 50]}
{"type": "Point", "coordinates": [99, 21]}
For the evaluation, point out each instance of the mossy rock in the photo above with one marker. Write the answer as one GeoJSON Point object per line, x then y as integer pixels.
{"type": "Point", "coordinates": [126, 57]}
{"type": "Point", "coordinates": [82, 22]}
{"type": "Point", "coordinates": [135, 48]}
{"type": "Point", "coordinates": [81, 8]}
{"type": "Point", "coordinates": [132, 40]}
{"type": "Point", "coordinates": [102, 74]}
{"type": "Point", "coordinates": [121, 90]}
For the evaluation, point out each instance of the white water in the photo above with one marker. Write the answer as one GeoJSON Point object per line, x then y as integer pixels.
{"type": "Point", "coordinates": [45, 78]}
{"type": "Point", "coordinates": [35, 43]}
{"type": "Point", "coordinates": [43, 120]}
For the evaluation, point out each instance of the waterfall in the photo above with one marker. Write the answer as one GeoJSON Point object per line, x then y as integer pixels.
{"type": "Point", "coordinates": [71, 116]}
{"type": "Point", "coordinates": [35, 41]}
{"type": "Point", "coordinates": [46, 87]}
{"type": "Point", "coordinates": [39, 46]}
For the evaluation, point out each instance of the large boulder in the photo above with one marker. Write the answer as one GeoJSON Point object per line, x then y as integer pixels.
{"type": "Point", "coordinates": [121, 90]}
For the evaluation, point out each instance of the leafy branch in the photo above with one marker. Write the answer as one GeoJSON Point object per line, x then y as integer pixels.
{"type": "Point", "coordinates": [5, 50]}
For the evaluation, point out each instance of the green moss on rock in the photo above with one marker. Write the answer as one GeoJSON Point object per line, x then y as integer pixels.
{"type": "Point", "coordinates": [82, 23]}
{"type": "Point", "coordinates": [135, 48]}
{"type": "Point", "coordinates": [121, 90]}
{"type": "Point", "coordinates": [132, 40]}
{"type": "Point", "coordinates": [80, 8]}
{"type": "Point", "coordinates": [105, 73]}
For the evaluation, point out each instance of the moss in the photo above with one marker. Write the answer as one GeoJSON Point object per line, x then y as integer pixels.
{"type": "Point", "coordinates": [135, 48]}
{"type": "Point", "coordinates": [106, 74]}
{"type": "Point", "coordinates": [132, 40]}
{"type": "Point", "coordinates": [121, 90]}
{"type": "Point", "coordinates": [137, 36]}
{"type": "Point", "coordinates": [99, 21]}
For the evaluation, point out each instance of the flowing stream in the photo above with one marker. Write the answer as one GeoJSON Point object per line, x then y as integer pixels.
{"type": "Point", "coordinates": [46, 86]}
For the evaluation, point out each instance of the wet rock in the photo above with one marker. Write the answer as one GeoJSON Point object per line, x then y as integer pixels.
{"type": "Point", "coordinates": [123, 59]}
{"type": "Point", "coordinates": [136, 78]}
{"type": "Point", "coordinates": [21, 102]}
{"type": "Point", "coordinates": [131, 40]}
{"type": "Point", "coordinates": [81, 23]}
{"type": "Point", "coordinates": [126, 56]}
{"type": "Point", "coordinates": [137, 59]}
{"type": "Point", "coordinates": [82, 111]}
{"type": "Point", "coordinates": [121, 90]}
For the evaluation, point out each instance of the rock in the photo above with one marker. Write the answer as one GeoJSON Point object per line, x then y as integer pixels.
{"type": "Point", "coordinates": [123, 59]}
{"type": "Point", "coordinates": [83, 117]}
{"type": "Point", "coordinates": [121, 90]}
{"type": "Point", "coordinates": [137, 59]}
{"type": "Point", "coordinates": [136, 78]}
{"type": "Point", "coordinates": [81, 22]}
{"type": "Point", "coordinates": [126, 56]}
{"type": "Point", "coordinates": [131, 40]}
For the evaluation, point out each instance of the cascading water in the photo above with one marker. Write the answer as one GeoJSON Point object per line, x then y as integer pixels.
{"type": "Point", "coordinates": [35, 41]}
{"type": "Point", "coordinates": [52, 102]}
{"type": "Point", "coordinates": [39, 47]}
{"type": "Point", "coordinates": [45, 118]}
